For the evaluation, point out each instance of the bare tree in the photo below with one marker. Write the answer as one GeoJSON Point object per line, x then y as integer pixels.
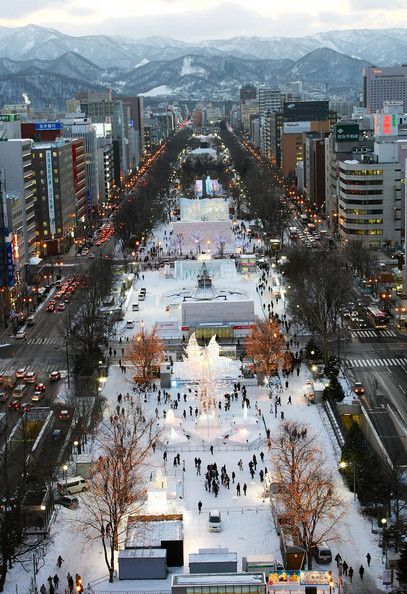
{"type": "Point", "coordinates": [117, 489]}
{"type": "Point", "coordinates": [86, 328]}
{"type": "Point", "coordinates": [145, 352]}
{"type": "Point", "coordinates": [362, 258]}
{"type": "Point", "coordinates": [320, 286]}
{"type": "Point", "coordinates": [307, 496]}
{"type": "Point", "coordinates": [19, 475]}
{"type": "Point", "coordinates": [265, 345]}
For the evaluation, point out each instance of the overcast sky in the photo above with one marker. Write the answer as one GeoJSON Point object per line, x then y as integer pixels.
{"type": "Point", "coordinates": [203, 19]}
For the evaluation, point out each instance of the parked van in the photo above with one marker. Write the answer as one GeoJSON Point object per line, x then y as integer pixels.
{"type": "Point", "coordinates": [323, 553]}
{"type": "Point", "coordinates": [214, 521]}
{"type": "Point", "coordinates": [77, 484]}
{"type": "Point", "coordinates": [19, 391]}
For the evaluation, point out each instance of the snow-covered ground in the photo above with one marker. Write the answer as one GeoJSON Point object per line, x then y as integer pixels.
{"type": "Point", "coordinates": [247, 523]}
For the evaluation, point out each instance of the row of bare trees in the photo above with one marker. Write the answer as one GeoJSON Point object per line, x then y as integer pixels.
{"type": "Point", "coordinates": [320, 287]}
{"type": "Point", "coordinates": [145, 206]}
{"type": "Point", "coordinates": [263, 193]}
{"type": "Point", "coordinates": [86, 329]}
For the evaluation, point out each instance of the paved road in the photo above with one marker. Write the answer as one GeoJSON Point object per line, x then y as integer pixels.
{"type": "Point", "coordinates": [378, 359]}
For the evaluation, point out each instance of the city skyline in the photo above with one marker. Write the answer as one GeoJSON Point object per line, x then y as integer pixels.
{"type": "Point", "coordinates": [210, 19]}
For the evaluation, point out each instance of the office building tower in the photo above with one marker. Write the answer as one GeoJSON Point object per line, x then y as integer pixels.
{"type": "Point", "coordinates": [369, 190]}
{"type": "Point", "coordinates": [384, 84]}
{"type": "Point", "coordinates": [78, 126]}
{"type": "Point", "coordinates": [18, 183]}
{"type": "Point", "coordinates": [248, 93]}
{"type": "Point", "coordinates": [55, 202]}
{"type": "Point", "coordinates": [269, 100]}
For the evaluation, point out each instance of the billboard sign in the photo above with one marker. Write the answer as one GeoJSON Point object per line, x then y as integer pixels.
{"type": "Point", "coordinates": [386, 124]}
{"type": "Point", "coordinates": [50, 187]}
{"type": "Point", "coordinates": [48, 126]}
{"type": "Point", "coordinates": [9, 260]}
{"type": "Point", "coordinates": [347, 132]}
{"type": "Point", "coordinates": [10, 117]}
{"type": "Point", "coordinates": [296, 127]}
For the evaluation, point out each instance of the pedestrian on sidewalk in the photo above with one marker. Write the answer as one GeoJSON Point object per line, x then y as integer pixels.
{"type": "Point", "coordinates": [59, 561]}
{"type": "Point", "coordinates": [350, 573]}
{"type": "Point", "coordinates": [361, 572]}
{"type": "Point", "coordinates": [238, 489]}
{"type": "Point", "coordinates": [244, 488]}
{"type": "Point", "coordinates": [345, 568]}
{"type": "Point", "coordinates": [199, 506]}
{"type": "Point", "coordinates": [368, 559]}
{"type": "Point", "coordinates": [338, 559]}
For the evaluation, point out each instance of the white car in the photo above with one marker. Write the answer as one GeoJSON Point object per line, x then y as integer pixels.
{"type": "Point", "coordinates": [129, 324]}
{"type": "Point", "coordinates": [21, 334]}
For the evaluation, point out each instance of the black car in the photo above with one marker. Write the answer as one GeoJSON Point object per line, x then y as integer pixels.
{"type": "Point", "coordinates": [69, 502]}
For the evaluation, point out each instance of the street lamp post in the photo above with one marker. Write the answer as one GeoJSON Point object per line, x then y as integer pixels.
{"type": "Point", "coordinates": [343, 465]}
{"type": "Point", "coordinates": [383, 522]}
{"type": "Point", "coordinates": [64, 473]}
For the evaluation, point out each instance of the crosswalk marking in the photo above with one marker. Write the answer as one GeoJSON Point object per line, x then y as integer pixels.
{"type": "Point", "coordinates": [373, 333]}
{"type": "Point", "coordinates": [39, 340]}
{"type": "Point", "coordinates": [40, 368]}
{"type": "Point", "coordinates": [376, 362]}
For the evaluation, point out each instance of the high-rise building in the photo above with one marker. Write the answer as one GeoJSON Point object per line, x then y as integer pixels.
{"type": "Point", "coordinates": [248, 93]}
{"type": "Point", "coordinates": [55, 205]}
{"type": "Point", "coordinates": [314, 169]}
{"type": "Point", "coordinates": [384, 84]}
{"type": "Point", "coordinates": [105, 169]}
{"type": "Point", "coordinates": [18, 182]}
{"type": "Point", "coordinates": [78, 126]}
{"type": "Point", "coordinates": [346, 139]}
{"type": "Point", "coordinates": [269, 100]}
{"type": "Point", "coordinates": [369, 190]}
{"type": "Point", "coordinates": [287, 127]}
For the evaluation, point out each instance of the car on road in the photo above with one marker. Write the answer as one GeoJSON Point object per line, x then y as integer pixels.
{"type": "Point", "coordinates": [14, 404]}
{"type": "Point", "coordinates": [25, 407]}
{"type": "Point", "coordinates": [54, 376]}
{"type": "Point", "coordinates": [3, 396]}
{"type": "Point", "coordinates": [20, 373]}
{"type": "Point", "coordinates": [51, 307]}
{"type": "Point", "coordinates": [129, 324]}
{"type": "Point", "coordinates": [19, 391]}
{"type": "Point", "coordinates": [360, 322]}
{"type": "Point", "coordinates": [21, 334]}
{"type": "Point", "coordinates": [69, 502]}
{"type": "Point", "coordinates": [39, 387]}
{"type": "Point", "coordinates": [61, 306]}
{"type": "Point", "coordinates": [30, 377]}
{"type": "Point", "coordinates": [64, 415]}
{"type": "Point", "coordinates": [37, 396]}
{"type": "Point", "coordinates": [358, 388]}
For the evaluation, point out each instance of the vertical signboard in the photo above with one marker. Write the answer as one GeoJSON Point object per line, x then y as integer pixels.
{"type": "Point", "coordinates": [50, 188]}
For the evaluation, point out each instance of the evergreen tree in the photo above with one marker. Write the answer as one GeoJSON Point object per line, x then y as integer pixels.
{"type": "Point", "coordinates": [402, 566]}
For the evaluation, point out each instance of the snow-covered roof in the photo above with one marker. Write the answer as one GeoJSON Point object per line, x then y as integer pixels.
{"type": "Point", "coordinates": [228, 579]}
{"type": "Point", "coordinates": [212, 557]}
{"type": "Point", "coordinates": [152, 534]}
{"type": "Point", "coordinates": [143, 554]}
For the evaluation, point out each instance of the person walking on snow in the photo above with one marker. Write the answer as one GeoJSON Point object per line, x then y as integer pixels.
{"type": "Point", "coordinates": [361, 572]}
{"type": "Point", "coordinates": [238, 489]}
{"type": "Point", "coordinates": [368, 559]}
{"type": "Point", "coordinates": [244, 488]}
{"type": "Point", "coordinates": [199, 506]}
{"type": "Point", "coordinates": [59, 561]}
{"type": "Point", "coordinates": [350, 573]}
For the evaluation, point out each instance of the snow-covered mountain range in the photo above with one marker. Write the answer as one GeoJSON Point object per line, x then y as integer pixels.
{"type": "Point", "coordinates": [215, 69]}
